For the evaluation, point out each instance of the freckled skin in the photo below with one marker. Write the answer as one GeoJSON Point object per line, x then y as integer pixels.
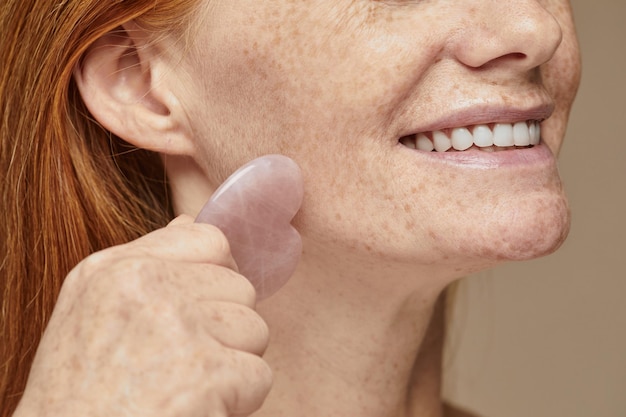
{"type": "Point", "coordinates": [333, 84]}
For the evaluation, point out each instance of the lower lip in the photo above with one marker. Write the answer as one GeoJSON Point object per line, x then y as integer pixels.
{"type": "Point", "coordinates": [475, 158]}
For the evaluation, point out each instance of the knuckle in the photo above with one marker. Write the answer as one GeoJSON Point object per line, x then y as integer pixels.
{"type": "Point", "coordinates": [209, 233]}
{"type": "Point", "coordinates": [245, 289]}
{"type": "Point", "coordinates": [111, 287]}
{"type": "Point", "coordinates": [129, 269]}
{"type": "Point", "coordinates": [91, 265]}
{"type": "Point", "coordinates": [252, 331]}
{"type": "Point", "coordinates": [117, 273]}
{"type": "Point", "coordinates": [87, 270]}
{"type": "Point", "coordinates": [254, 384]}
{"type": "Point", "coordinates": [209, 239]}
{"type": "Point", "coordinates": [213, 238]}
{"type": "Point", "coordinates": [261, 372]}
{"type": "Point", "coordinates": [266, 375]}
{"type": "Point", "coordinates": [263, 377]}
{"type": "Point", "coordinates": [221, 282]}
{"type": "Point", "coordinates": [259, 330]}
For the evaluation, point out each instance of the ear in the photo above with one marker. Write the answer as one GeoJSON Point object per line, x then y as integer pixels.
{"type": "Point", "coordinates": [122, 80]}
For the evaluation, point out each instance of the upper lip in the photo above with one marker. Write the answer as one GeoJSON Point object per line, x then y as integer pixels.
{"type": "Point", "coordinates": [483, 115]}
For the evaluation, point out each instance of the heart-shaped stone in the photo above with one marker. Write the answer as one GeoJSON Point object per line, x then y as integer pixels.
{"type": "Point", "coordinates": [254, 208]}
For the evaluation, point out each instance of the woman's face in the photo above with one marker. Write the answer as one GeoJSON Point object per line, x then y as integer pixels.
{"type": "Point", "coordinates": [344, 87]}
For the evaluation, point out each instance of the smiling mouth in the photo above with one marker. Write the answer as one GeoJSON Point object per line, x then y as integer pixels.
{"type": "Point", "coordinates": [485, 137]}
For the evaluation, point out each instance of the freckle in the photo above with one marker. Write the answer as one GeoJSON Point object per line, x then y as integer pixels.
{"type": "Point", "coordinates": [368, 248]}
{"type": "Point", "coordinates": [407, 208]}
{"type": "Point", "coordinates": [461, 204]}
{"type": "Point", "coordinates": [338, 216]}
{"type": "Point", "coordinates": [413, 190]}
{"type": "Point", "coordinates": [410, 225]}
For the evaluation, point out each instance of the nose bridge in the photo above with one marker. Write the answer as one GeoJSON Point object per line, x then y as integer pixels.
{"type": "Point", "coordinates": [521, 33]}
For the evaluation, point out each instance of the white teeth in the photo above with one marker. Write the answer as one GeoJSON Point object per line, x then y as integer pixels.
{"type": "Point", "coordinates": [483, 136]}
{"type": "Point", "coordinates": [423, 143]}
{"type": "Point", "coordinates": [503, 135]}
{"type": "Point", "coordinates": [521, 134]}
{"type": "Point", "coordinates": [461, 139]}
{"type": "Point", "coordinates": [441, 141]}
{"type": "Point", "coordinates": [534, 132]}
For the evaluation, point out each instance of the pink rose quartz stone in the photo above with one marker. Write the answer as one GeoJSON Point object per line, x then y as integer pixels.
{"type": "Point", "coordinates": [254, 208]}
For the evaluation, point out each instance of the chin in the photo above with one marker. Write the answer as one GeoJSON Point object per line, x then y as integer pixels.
{"type": "Point", "coordinates": [537, 227]}
{"type": "Point", "coordinates": [531, 235]}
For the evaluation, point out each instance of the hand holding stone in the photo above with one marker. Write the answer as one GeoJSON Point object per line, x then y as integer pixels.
{"type": "Point", "coordinates": [254, 208]}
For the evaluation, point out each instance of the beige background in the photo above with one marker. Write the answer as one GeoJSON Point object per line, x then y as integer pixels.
{"type": "Point", "coordinates": [548, 338]}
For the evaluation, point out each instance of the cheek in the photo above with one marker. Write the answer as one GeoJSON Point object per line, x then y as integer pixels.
{"type": "Point", "coordinates": [561, 75]}
{"type": "Point", "coordinates": [278, 95]}
{"type": "Point", "coordinates": [440, 217]}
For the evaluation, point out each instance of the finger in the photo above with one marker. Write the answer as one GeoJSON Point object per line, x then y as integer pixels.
{"type": "Point", "coordinates": [245, 385]}
{"type": "Point", "coordinates": [123, 275]}
{"type": "Point", "coordinates": [182, 219]}
{"type": "Point", "coordinates": [186, 242]}
{"type": "Point", "coordinates": [233, 325]}
{"type": "Point", "coordinates": [195, 285]}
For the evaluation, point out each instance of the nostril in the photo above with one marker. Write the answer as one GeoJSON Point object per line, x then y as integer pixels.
{"type": "Point", "coordinates": [520, 36]}
{"type": "Point", "coordinates": [517, 56]}
{"type": "Point", "coordinates": [513, 57]}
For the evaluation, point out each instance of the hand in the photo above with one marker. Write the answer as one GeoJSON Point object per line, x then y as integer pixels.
{"type": "Point", "coordinates": [161, 326]}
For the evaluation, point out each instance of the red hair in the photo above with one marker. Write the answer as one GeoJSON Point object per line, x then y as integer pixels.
{"type": "Point", "coordinates": [68, 187]}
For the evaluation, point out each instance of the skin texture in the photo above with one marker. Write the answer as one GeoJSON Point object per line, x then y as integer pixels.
{"type": "Point", "coordinates": [333, 85]}
{"type": "Point", "coordinates": [144, 329]}
{"type": "Point", "coordinates": [350, 78]}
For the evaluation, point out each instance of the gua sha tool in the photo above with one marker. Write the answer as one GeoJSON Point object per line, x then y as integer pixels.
{"type": "Point", "coordinates": [254, 208]}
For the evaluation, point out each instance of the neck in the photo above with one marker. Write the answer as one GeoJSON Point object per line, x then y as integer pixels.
{"type": "Point", "coordinates": [351, 333]}
{"type": "Point", "coordinates": [345, 343]}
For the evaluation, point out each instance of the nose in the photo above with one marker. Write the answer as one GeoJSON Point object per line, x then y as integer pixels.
{"type": "Point", "coordinates": [520, 34]}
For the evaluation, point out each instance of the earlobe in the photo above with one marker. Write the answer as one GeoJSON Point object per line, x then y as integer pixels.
{"type": "Point", "coordinates": [121, 80]}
